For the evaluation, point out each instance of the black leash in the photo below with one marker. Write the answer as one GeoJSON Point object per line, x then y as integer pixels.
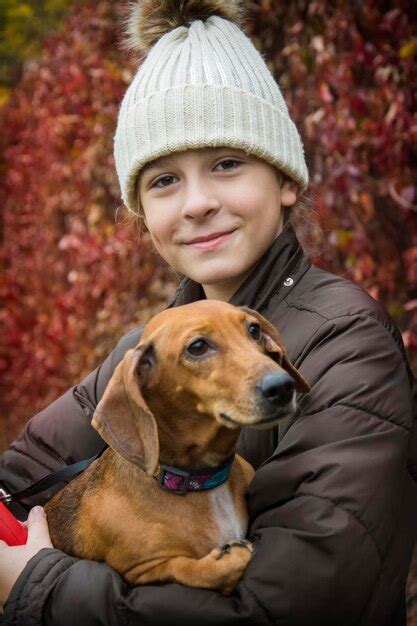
{"type": "Point", "coordinates": [59, 476]}
{"type": "Point", "coordinates": [66, 473]}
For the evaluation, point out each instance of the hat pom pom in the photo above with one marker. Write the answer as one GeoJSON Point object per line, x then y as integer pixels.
{"type": "Point", "coordinates": [148, 20]}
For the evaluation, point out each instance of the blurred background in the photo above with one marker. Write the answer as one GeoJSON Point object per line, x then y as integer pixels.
{"type": "Point", "coordinates": [76, 274]}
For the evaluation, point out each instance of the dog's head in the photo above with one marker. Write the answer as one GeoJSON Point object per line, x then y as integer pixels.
{"type": "Point", "coordinates": [198, 369]}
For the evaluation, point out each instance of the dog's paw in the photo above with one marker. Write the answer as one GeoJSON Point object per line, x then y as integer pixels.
{"type": "Point", "coordinates": [232, 562]}
{"type": "Point", "coordinates": [242, 543]}
{"type": "Point", "coordinates": [220, 551]}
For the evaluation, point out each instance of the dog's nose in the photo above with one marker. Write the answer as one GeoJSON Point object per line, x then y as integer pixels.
{"type": "Point", "coordinates": [277, 388]}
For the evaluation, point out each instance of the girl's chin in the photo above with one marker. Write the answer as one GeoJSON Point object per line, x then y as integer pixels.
{"type": "Point", "coordinates": [212, 278]}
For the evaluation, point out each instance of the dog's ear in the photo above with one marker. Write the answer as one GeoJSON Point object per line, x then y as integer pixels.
{"type": "Point", "coordinates": [301, 385]}
{"type": "Point", "coordinates": [275, 348]}
{"type": "Point", "coordinates": [123, 418]}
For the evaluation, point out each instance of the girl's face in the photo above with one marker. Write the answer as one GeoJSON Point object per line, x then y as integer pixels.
{"type": "Point", "coordinates": [230, 199]}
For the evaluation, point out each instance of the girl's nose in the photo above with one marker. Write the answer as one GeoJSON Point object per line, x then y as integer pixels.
{"type": "Point", "coordinates": [199, 202]}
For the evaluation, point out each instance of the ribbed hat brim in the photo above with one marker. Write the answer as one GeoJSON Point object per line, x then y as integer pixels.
{"type": "Point", "coordinates": [199, 116]}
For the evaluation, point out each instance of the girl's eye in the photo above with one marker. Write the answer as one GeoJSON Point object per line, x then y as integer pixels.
{"type": "Point", "coordinates": [230, 164]}
{"type": "Point", "coordinates": [160, 180]}
{"type": "Point", "coordinates": [255, 331]}
{"type": "Point", "coordinates": [168, 179]}
{"type": "Point", "coordinates": [198, 347]}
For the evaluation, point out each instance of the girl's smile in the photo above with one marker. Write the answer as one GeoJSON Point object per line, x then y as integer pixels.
{"type": "Point", "coordinates": [213, 212]}
{"type": "Point", "coordinates": [210, 242]}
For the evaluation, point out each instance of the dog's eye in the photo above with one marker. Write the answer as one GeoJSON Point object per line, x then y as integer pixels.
{"type": "Point", "coordinates": [198, 347]}
{"type": "Point", "coordinates": [255, 331]}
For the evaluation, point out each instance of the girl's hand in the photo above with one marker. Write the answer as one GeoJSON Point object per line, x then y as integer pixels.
{"type": "Point", "coordinates": [13, 559]}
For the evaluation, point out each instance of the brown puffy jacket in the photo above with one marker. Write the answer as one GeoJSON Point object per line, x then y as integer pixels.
{"type": "Point", "coordinates": [333, 504]}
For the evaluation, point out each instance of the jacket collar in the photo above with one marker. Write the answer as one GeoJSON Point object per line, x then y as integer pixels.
{"type": "Point", "coordinates": [276, 272]}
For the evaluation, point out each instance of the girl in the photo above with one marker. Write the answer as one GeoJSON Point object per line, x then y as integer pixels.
{"type": "Point", "coordinates": [207, 154]}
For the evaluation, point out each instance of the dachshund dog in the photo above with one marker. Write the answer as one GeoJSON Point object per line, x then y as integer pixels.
{"type": "Point", "coordinates": [166, 501]}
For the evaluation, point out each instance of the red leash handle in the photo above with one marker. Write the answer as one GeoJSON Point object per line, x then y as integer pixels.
{"type": "Point", "coordinates": [11, 530]}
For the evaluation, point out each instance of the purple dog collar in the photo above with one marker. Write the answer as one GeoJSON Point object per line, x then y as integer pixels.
{"type": "Point", "coordinates": [180, 481]}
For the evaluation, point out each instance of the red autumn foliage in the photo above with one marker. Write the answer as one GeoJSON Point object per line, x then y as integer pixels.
{"type": "Point", "coordinates": [75, 278]}
{"type": "Point", "coordinates": [349, 75]}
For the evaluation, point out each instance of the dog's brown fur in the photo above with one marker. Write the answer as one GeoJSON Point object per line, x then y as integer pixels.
{"type": "Point", "coordinates": [163, 406]}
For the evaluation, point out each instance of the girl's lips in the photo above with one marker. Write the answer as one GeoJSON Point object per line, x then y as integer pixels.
{"type": "Point", "coordinates": [211, 243]}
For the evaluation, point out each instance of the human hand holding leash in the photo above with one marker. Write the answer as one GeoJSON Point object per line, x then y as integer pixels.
{"type": "Point", "coordinates": [13, 559]}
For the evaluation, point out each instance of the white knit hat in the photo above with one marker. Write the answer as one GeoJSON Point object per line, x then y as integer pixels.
{"type": "Point", "coordinates": [201, 85]}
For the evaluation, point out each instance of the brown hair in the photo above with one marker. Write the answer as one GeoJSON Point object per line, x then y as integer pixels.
{"type": "Point", "coordinates": [305, 221]}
